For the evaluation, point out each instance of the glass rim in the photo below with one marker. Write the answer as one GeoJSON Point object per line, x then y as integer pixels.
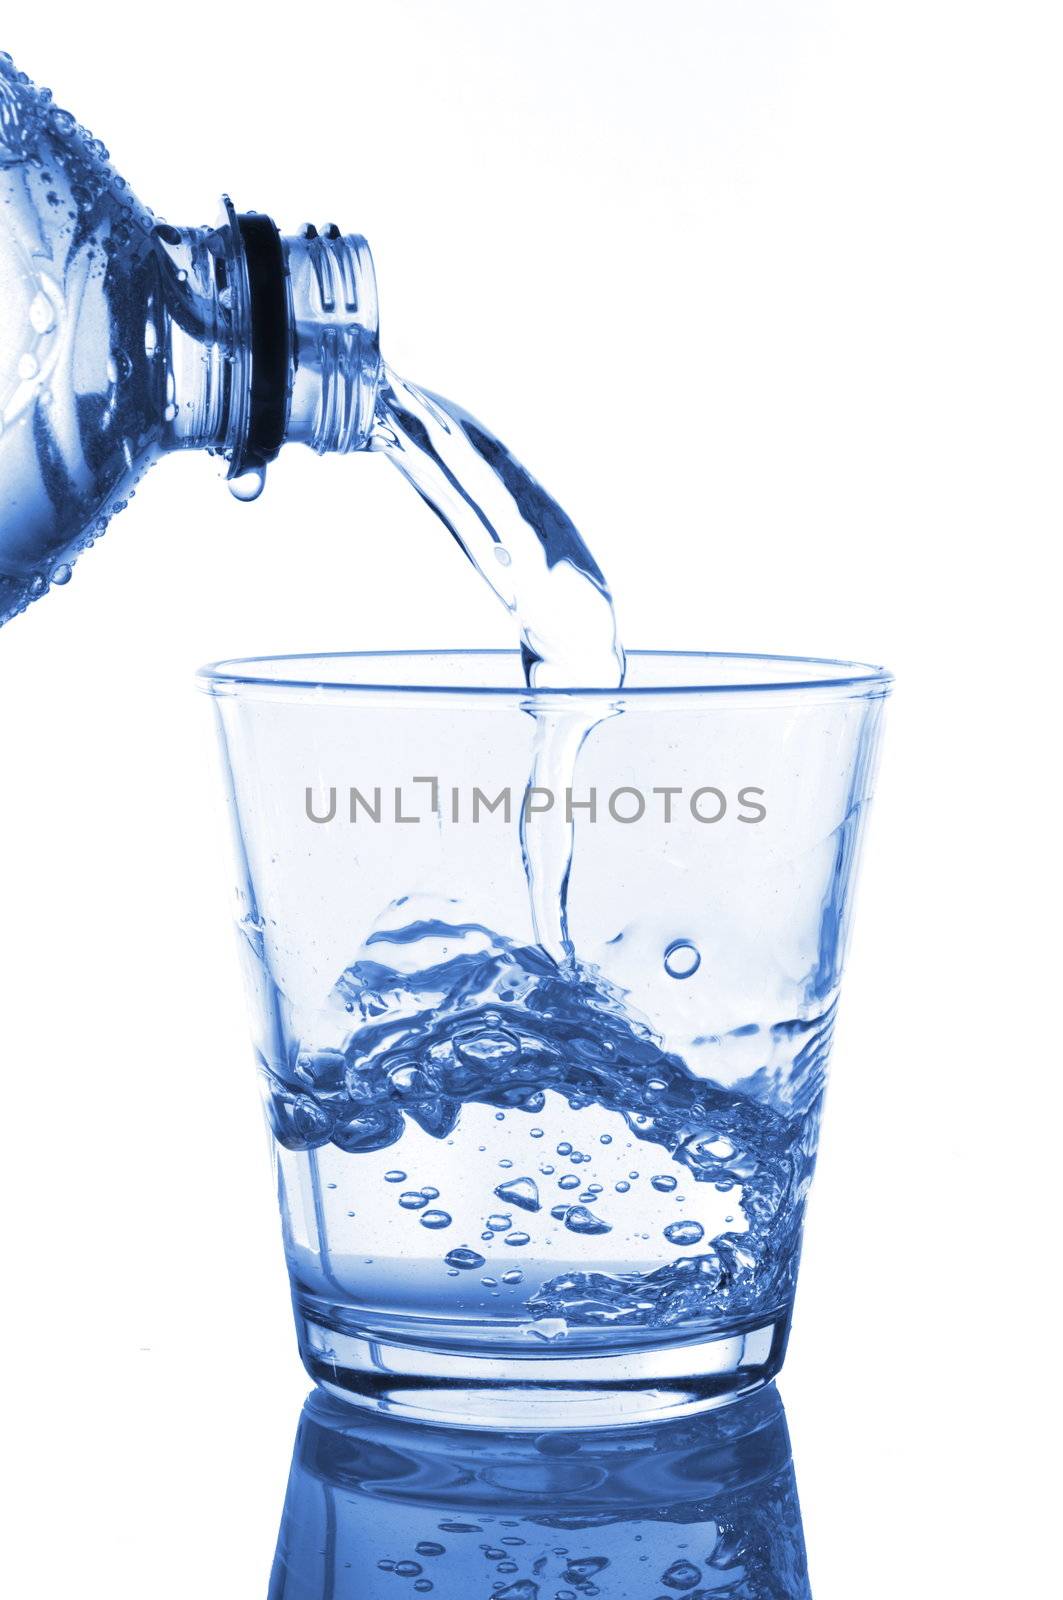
{"type": "Point", "coordinates": [280, 677]}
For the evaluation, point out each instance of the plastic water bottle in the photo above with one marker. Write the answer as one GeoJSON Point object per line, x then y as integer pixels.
{"type": "Point", "coordinates": [122, 338]}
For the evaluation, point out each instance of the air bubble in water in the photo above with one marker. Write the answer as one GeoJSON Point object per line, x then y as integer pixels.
{"type": "Point", "coordinates": [489, 1049]}
{"type": "Point", "coordinates": [464, 1258]}
{"type": "Point", "coordinates": [523, 1192]}
{"type": "Point", "coordinates": [682, 959]}
{"type": "Point", "coordinates": [436, 1219]}
{"type": "Point", "coordinates": [681, 1575]}
{"type": "Point", "coordinates": [579, 1220]}
{"type": "Point", "coordinates": [585, 1567]}
{"type": "Point", "coordinates": [42, 317]}
{"type": "Point", "coordinates": [684, 1232]}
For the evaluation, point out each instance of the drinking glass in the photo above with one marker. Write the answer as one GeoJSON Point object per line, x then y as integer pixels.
{"type": "Point", "coordinates": [543, 985]}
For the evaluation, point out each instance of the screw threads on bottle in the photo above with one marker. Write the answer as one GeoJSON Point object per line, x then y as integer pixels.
{"type": "Point", "coordinates": [335, 358]}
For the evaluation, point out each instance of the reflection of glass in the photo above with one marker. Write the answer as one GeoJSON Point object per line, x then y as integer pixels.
{"type": "Point", "coordinates": [381, 1509]}
{"type": "Point", "coordinates": [515, 1182]}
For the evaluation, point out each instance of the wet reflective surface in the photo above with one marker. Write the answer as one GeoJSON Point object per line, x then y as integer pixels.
{"type": "Point", "coordinates": [378, 1509]}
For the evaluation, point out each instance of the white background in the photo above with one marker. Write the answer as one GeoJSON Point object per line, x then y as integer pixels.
{"type": "Point", "coordinates": [769, 294]}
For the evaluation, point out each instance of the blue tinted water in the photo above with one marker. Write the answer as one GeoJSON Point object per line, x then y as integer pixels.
{"type": "Point", "coordinates": [379, 1510]}
{"type": "Point", "coordinates": [557, 1170]}
{"type": "Point", "coordinates": [529, 1156]}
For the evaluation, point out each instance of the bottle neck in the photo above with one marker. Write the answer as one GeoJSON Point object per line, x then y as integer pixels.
{"type": "Point", "coordinates": [264, 339]}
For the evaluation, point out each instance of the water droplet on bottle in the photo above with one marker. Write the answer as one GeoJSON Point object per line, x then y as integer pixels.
{"type": "Point", "coordinates": [569, 1181]}
{"type": "Point", "coordinates": [682, 959]}
{"type": "Point", "coordinates": [435, 1219]}
{"type": "Point", "coordinates": [684, 1232]}
{"type": "Point", "coordinates": [27, 366]}
{"type": "Point", "coordinates": [514, 1275]}
{"type": "Point", "coordinates": [249, 485]}
{"type": "Point", "coordinates": [42, 317]}
{"type": "Point", "coordinates": [464, 1258]}
{"type": "Point", "coordinates": [498, 1223]}
{"type": "Point", "coordinates": [413, 1200]}
{"type": "Point", "coordinates": [428, 1547]}
{"type": "Point", "coordinates": [502, 555]}
{"type": "Point", "coordinates": [518, 1239]}
{"type": "Point", "coordinates": [63, 573]}
{"type": "Point", "coordinates": [663, 1182]}
{"type": "Point", "coordinates": [169, 413]}
{"type": "Point", "coordinates": [579, 1220]}
{"type": "Point", "coordinates": [394, 1176]}
{"type": "Point", "coordinates": [523, 1192]}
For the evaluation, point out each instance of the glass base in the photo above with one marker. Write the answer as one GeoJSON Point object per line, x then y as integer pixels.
{"type": "Point", "coordinates": [490, 1385]}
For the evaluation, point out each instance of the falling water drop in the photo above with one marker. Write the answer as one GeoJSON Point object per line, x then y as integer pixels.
{"type": "Point", "coordinates": [248, 485]}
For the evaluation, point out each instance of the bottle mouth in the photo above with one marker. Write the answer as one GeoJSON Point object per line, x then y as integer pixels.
{"type": "Point", "coordinates": [308, 303]}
